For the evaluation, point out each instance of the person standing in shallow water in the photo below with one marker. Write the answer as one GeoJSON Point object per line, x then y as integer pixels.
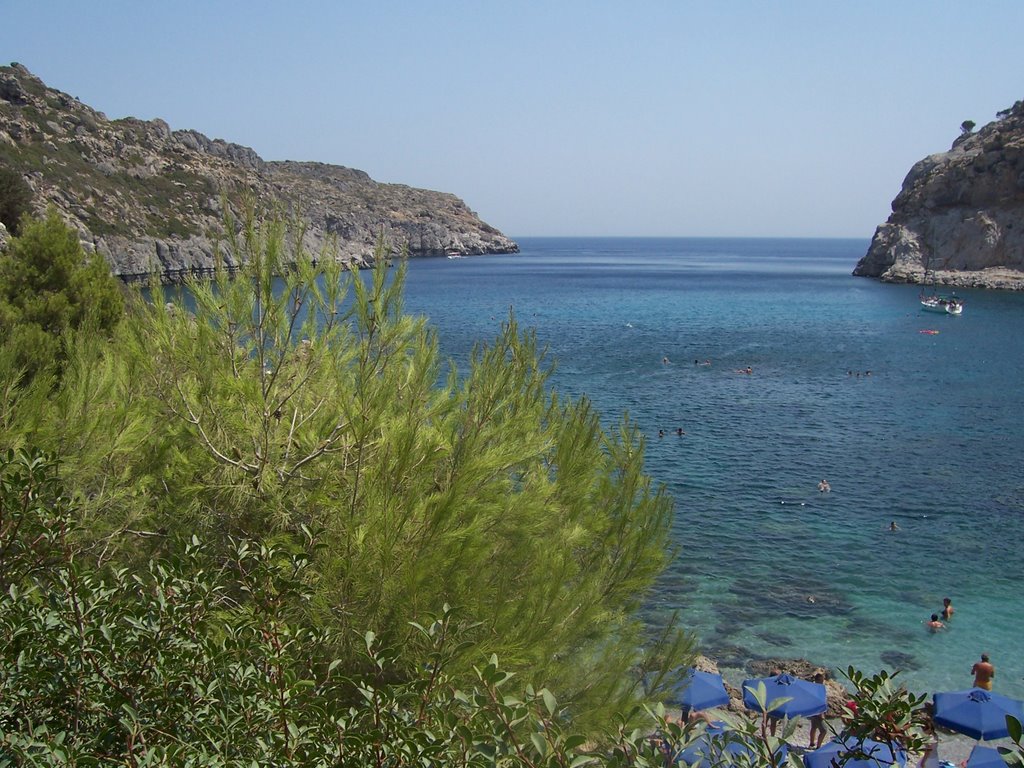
{"type": "Point", "coordinates": [947, 608]}
{"type": "Point", "coordinates": [983, 672]}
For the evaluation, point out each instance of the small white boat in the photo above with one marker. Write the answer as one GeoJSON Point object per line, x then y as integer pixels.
{"type": "Point", "coordinates": [948, 305]}
{"type": "Point", "coordinates": [453, 255]}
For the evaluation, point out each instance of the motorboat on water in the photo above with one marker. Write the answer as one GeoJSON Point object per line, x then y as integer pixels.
{"type": "Point", "coordinates": [949, 305]}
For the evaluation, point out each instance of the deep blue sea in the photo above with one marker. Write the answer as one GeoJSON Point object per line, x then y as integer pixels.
{"type": "Point", "coordinates": [765, 564]}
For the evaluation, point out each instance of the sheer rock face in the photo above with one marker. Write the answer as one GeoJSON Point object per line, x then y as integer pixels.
{"type": "Point", "coordinates": [149, 198]}
{"type": "Point", "coordinates": [960, 214]}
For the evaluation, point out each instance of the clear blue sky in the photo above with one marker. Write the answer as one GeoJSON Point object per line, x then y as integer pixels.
{"type": "Point", "coordinates": [759, 118]}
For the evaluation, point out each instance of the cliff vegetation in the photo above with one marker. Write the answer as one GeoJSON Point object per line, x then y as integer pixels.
{"type": "Point", "coordinates": [149, 198]}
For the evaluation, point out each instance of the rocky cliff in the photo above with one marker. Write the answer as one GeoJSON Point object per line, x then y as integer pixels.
{"type": "Point", "coordinates": [959, 218]}
{"type": "Point", "coordinates": [149, 198]}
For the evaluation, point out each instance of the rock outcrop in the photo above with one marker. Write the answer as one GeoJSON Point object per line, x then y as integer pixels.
{"type": "Point", "coordinates": [149, 198]}
{"type": "Point", "coordinates": [959, 218]}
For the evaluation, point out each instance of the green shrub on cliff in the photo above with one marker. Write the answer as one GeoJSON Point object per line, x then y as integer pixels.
{"type": "Point", "coordinates": [15, 199]}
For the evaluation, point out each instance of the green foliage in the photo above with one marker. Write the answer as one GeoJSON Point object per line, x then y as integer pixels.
{"type": "Point", "coordinates": [47, 287]}
{"type": "Point", "coordinates": [15, 199]}
{"type": "Point", "coordinates": [186, 663]}
{"type": "Point", "coordinates": [966, 127]}
{"type": "Point", "coordinates": [1014, 756]}
{"type": "Point", "coordinates": [886, 712]}
{"type": "Point", "coordinates": [745, 742]}
{"type": "Point", "coordinates": [296, 396]}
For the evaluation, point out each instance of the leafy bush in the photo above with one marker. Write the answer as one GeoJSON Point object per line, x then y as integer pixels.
{"type": "Point", "coordinates": [193, 663]}
{"type": "Point", "coordinates": [885, 711]}
{"type": "Point", "coordinates": [49, 286]}
{"type": "Point", "coordinates": [15, 199]}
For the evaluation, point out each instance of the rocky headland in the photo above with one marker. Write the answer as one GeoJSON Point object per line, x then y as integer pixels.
{"type": "Point", "coordinates": [152, 199]}
{"type": "Point", "coordinates": [959, 218]}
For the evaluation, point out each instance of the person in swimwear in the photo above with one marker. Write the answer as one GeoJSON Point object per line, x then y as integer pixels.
{"type": "Point", "coordinates": [935, 625]}
{"type": "Point", "coordinates": [983, 673]}
{"type": "Point", "coordinates": [947, 608]}
{"type": "Point", "coordinates": [823, 486]}
{"type": "Point", "coordinates": [817, 734]}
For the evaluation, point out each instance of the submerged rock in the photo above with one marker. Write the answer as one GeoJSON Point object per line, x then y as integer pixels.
{"type": "Point", "coordinates": [899, 660]}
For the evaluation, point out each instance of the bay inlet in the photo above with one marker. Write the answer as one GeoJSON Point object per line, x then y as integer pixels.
{"type": "Point", "coordinates": [922, 429]}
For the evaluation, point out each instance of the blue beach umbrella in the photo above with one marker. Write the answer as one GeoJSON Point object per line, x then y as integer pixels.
{"type": "Point", "coordinates": [978, 713]}
{"type": "Point", "coordinates": [711, 746]}
{"type": "Point", "coordinates": [804, 698]}
{"type": "Point", "coordinates": [703, 690]}
{"type": "Point", "coordinates": [985, 757]}
{"type": "Point", "coordinates": [876, 754]}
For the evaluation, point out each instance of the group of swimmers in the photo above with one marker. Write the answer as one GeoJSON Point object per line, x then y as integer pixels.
{"type": "Point", "coordinates": [749, 370]}
{"type": "Point", "coordinates": [707, 363]}
{"type": "Point", "coordinates": [679, 432]}
{"type": "Point", "coordinates": [984, 671]}
{"type": "Point", "coordinates": [935, 624]}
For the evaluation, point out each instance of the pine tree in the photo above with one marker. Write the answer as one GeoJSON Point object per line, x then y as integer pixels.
{"type": "Point", "coordinates": [47, 286]}
{"type": "Point", "coordinates": [295, 400]}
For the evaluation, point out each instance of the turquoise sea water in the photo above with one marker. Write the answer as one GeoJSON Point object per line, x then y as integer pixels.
{"type": "Point", "coordinates": [932, 439]}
